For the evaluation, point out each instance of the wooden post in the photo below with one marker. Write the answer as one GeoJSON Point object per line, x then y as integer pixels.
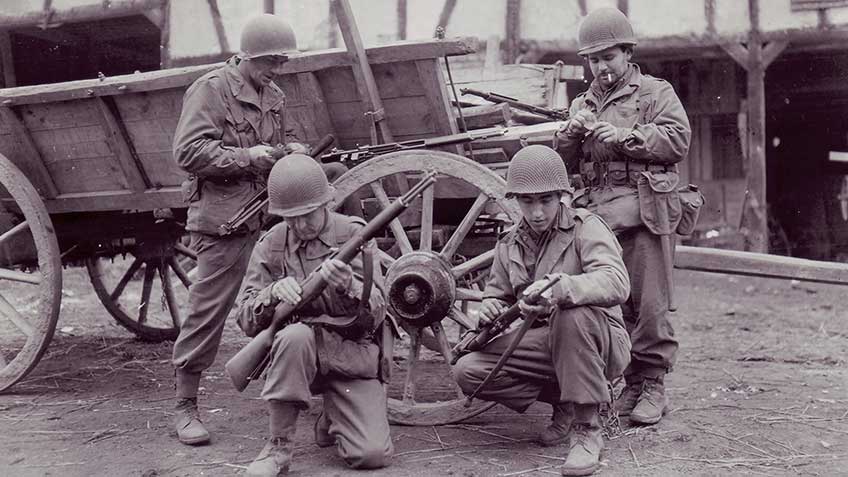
{"type": "Point", "coordinates": [513, 30]}
{"type": "Point", "coordinates": [165, 36]}
{"type": "Point", "coordinates": [444, 16]}
{"type": "Point", "coordinates": [268, 6]}
{"type": "Point", "coordinates": [219, 26]}
{"type": "Point", "coordinates": [6, 60]}
{"type": "Point", "coordinates": [402, 9]}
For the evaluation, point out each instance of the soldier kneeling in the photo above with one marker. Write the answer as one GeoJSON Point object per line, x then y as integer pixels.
{"type": "Point", "coordinates": [331, 349]}
{"type": "Point", "coordinates": [579, 341]}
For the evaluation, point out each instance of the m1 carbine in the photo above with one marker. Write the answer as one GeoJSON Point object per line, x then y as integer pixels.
{"type": "Point", "coordinates": [475, 340]}
{"type": "Point", "coordinates": [249, 363]}
{"type": "Point", "coordinates": [552, 114]}
{"type": "Point", "coordinates": [260, 200]}
{"type": "Point", "coordinates": [354, 157]}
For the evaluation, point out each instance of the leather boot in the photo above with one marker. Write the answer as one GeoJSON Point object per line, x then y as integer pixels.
{"type": "Point", "coordinates": [628, 398]}
{"type": "Point", "coordinates": [187, 423]}
{"type": "Point", "coordinates": [584, 455]}
{"type": "Point", "coordinates": [275, 457]}
{"type": "Point", "coordinates": [557, 432]}
{"type": "Point", "coordinates": [652, 404]}
{"type": "Point", "coordinates": [322, 427]}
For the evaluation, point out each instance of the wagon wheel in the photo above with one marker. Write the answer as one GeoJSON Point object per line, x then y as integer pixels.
{"type": "Point", "coordinates": [145, 291]}
{"type": "Point", "coordinates": [423, 286]}
{"type": "Point", "coordinates": [30, 276]}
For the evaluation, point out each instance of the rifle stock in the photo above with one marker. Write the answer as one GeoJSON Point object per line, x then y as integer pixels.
{"type": "Point", "coordinates": [250, 361]}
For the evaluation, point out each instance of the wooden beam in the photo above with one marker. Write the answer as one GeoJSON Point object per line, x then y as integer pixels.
{"type": "Point", "coordinates": [513, 30]}
{"type": "Point", "coordinates": [581, 5]}
{"type": "Point", "coordinates": [361, 68]}
{"type": "Point", "coordinates": [445, 14]}
{"type": "Point", "coordinates": [6, 60]}
{"type": "Point", "coordinates": [268, 6]}
{"type": "Point", "coordinates": [94, 11]}
{"type": "Point", "coordinates": [311, 92]}
{"type": "Point", "coordinates": [759, 265]}
{"type": "Point", "coordinates": [31, 156]}
{"type": "Point", "coordinates": [168, 197]}
{"type": "Point", "coordinates": [220, 32]}
{"type": "Point", "coordinates": [165, 36]}
{"type": "Point", "coordinates": [772, 50]}
{"type": "Point", "coordinates": [709, 15]}
{"type": "Point", "coordinates": [182, 77]}
{"type": "Point", "coordinates": [121, 144]}
{"type": "Point", "coordinates": [624, 6]}
{"type": "Point", "coordinates": [402, 10]}
{"type": "Point", "coordinates": [486, 115]}
{"type": "Point", "coordinates": [738, 52]}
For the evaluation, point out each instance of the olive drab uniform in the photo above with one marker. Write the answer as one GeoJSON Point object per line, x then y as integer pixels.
{"type": "Point", "coordinates": [222, 117]}
{"type": "Point", "coordinates": [570, 355]}
{"type": "Point", "coordinates": [309, 356]}
{"type": "Point", "coordinates": [658, 139]}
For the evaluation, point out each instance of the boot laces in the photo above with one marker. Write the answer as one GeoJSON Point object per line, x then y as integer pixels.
{"type": "Point", "coordinates": [581, 434]}
{"type": "Point", "coordinates": [189, 407]}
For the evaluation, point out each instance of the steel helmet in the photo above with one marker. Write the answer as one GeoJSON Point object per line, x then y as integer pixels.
{"type": "Point", "coordinates": [297, 185]}
{"type": "Point", "coordinates": [604, 28]}
{"type": "Point", "coordinates": [265, 35]}
{"type": "Point", "coordinates": [536, 169]}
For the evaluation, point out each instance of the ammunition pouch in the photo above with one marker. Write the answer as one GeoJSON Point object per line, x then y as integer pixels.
{"type": "Point", "coordinates": [659, 201]}
{"type": "Point", "coordinates": [691, 201]}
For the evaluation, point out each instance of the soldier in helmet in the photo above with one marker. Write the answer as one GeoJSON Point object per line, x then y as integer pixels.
{"type": "Point", "coordinates": [580, 341]}
{"type": "Point", "coordinates": [332, 349]}
{"type": "Point", "coordinates": [230, 119]}
{"type": "Point", "coordinates": [628, 128]}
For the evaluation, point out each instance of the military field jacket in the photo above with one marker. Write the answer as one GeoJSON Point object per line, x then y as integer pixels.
{"type": "Point", "coordinates": [658, 128]}
{"type": "Point", "coordinates": [580, 248]}
{"type": "Point", "coordinates": [222, 117]}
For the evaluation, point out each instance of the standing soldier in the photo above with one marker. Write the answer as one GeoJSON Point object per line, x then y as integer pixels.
{"type": "Point", "coordinates": [628, 132]}
{"type": "Point", "coordinates": [331, 349]}
{"type": "Point", "coordinates": [230, 117]}
{"type": "Point", "coordinates": [580, 341]}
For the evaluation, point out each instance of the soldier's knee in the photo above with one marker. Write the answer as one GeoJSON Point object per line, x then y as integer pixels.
{"type": "Point", "coordinates": [294, 336]}
{"type": "Point", "coordinates": [573, 319]}
{"type": "Point", "coordinates": [466, 373]}
{"type": "Point", "coordinates": [371, 456]}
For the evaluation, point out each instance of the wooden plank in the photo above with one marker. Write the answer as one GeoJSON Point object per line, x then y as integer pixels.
{"type": "Point", "coordinates": [772, 50]}
{"type": "Point", "coordinates": [32, 156]}
{"type": "Point", "coordinates": [182, 77]}
{"type": "Point", "coordinates": [445, 14]}
{"type": "Point", "coordinates": [6, 61]}
{"type": "Point", "coordinates": [486, 116]}
{"type": "Point", "coordinates": [169, 197]}
{"type": "Point", "coordinates": [409, 116]}
{"type": "Point", "coordinates": [119, 141]}
{"type": "Point", "coordinates": [94, 11]}
{"type": "Point", "coordinates": [738, 52]}
{"type": "Point", "coordinates": [513, 29]}
{"type": "Point", "coordinates": [759, 265]}
{"type": "Point", "coordinates": [312, 94]}
{"type": "Point", "coordinates": [433, 81]}
{"type": "Point", "coordinates": [754, 215]}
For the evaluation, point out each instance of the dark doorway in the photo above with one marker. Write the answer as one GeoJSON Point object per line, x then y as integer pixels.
{"type": "Point", "coordinates": [83, 50]}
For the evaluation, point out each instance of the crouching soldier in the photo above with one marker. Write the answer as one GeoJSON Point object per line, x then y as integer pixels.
{"type": "Point", "coordinates": [579, 340]}
{"type": "Point", "coordinates": [331, 349]}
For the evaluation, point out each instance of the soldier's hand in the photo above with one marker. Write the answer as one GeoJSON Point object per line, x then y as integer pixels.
{"type": "Point", "coordinates": [538, 285]}
{"type": "Point", "coordinates": [607, 133]}
{"type": "Point", "coordinates": [296, 148]}
{"type": "Point", "coordinates": [260, 156]}
{"type": "Point", "coordinates": [287, 290]}
{"type": "Point", "coordinates": [337, 274]}
{"type": "Point", "coordinates": [541, 307]}
{"type": "Point", "coordinates": [490, 309]}
{"type": "Point", "coordinates": [581, 123]}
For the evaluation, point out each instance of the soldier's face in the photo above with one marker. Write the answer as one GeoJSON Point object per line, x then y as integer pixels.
{"type": "Point", "coordinates": [262, 70]}
{"type": "Point", "coordinates": [539, 210]}
{"type": "Point", "coordinates": [308, 226]}
{"type": "Point", "coordinates": [608, 66]}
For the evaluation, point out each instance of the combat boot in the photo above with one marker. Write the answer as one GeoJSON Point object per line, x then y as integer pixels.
{"type": "Point", "coordinates": [584, 455]}
{"type": "Point", "coordinates": [628, 398]}
{"type": "Point", "coordinates": [652, 404]}
{"type": "Point", "coordinates": [187, 423]}
{"type": "Point", "coordinates": [275, 458]}
{"type": "Point", "coordinates": [557, 432]}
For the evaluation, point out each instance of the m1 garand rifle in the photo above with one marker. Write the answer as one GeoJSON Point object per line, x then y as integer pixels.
{"type": "Point", "coordinates": [259, 201]}
{"type": "Point", "coordinates": [354, 157]}
{"type": "Point", "coordinates": [249, 363]}
{"type": "Point", "coordinates": [551, 114]}
{"type": "Point", "coordinates": [475, 340]}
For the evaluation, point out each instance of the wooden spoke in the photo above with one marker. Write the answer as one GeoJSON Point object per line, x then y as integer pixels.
{"type": "Point", "coordinates": [3, 362]}
{"type": "Point", "coordinates": [185, 251]}
{"type": "Point", "coordinates": [14, 231]}
{"type": "Point", "coordinates": [386, 260]}
{"type": "Point", "coordinates": [459, 317]}
{"type": "Point", "coordinates": [119, 288]}
{"type": "Point", "coordinates": [179, 272]}
{"type": "Point", "coordinates": [426, 240]}
{"type": "Point", "coordinates": [468, 294]}
{"type": "Point", "coordinates": [149, 274]}
{"type": "Point", "coordinates": [396, 227]}
{"type": "Point", "coordinates": [483, 260]}
{"type": "Point", "coordinates": [412, 361]}
{"type": "Point", "coordinates": [167, 290]}
{"type": "Point", "coordinates": [445, 349]}
{"type": "Point", "coordinates": [19, 320]}
{"type": "Point", "coordinates": [464, 227]}
{"type": "Point", "coordinates": [16, 276]}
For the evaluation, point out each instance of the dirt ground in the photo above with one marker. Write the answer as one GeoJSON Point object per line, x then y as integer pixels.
{"type": "Point", "coordinates": [761, 387]}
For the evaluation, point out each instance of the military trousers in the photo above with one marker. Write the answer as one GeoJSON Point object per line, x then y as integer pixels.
{"type": "Point", "coordinates": [574, 355]}
{"type": "Point", "coordinates": [221, 265]}
{"type": "Point", "coordinates": [355, 408]}
{"type": "Point", "coordinates": [646, 312]}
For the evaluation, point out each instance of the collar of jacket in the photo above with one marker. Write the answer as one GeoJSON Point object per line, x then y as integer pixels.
{"type": "Point", "coordinates": [327, 235]}
{"type": "Point", "coordinates": [632, 83]}
{"type": "Point", "coordinates": [556, 244]}
{"type": "Point", "coordinates": [564, 222]}
{"type": "Point", "coordinates": [272, 95]}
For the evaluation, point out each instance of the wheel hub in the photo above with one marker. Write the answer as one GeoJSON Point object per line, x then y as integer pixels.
{"type": "Point", "coordinates": [421, 288]}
